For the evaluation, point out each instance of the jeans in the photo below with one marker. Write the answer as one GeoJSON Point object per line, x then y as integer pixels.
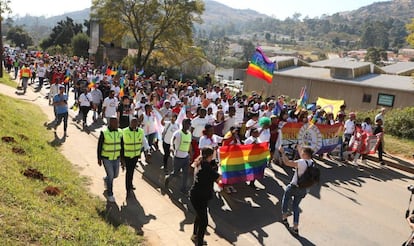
{"type": "Point", "coordinates": [181, 164]}
{"type": "Point", "coordinates": [130, 164]}
{"type": "Point", "coordinates": [24, 84]}
{"type": "Point", "coordinates": [150, 138]}
{"type": "Point", "coordinates": [59, 118]}
{"type": "Point", "coordinates": [40, 83]}
{"type": "Point", "coordinates": [112, 171]}
{"type": "Point", "coordinates": [84, 110]}
{"type": "Point", "coordinates": [380, 150]}
{"type": "Point", "coordinates": [166, 148]}
{"type": "Point", "coordinates": [201, 219]}
{"type": "Point", "coordinates": [298, 194]}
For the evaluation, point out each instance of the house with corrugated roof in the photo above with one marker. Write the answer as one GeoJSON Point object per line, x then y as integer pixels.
{"type": "Point", "coordinates": [362, 85]}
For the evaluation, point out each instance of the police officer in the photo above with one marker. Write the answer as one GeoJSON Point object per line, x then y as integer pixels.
{"type": "Point", "coordinates": [133, 140]}
{"type": "Point", "coordinates": [109, 152]}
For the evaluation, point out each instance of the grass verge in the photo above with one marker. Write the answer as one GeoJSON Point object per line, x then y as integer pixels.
{"type": "Point", "coordinates": [399, 146]}
{"type": "Point", "coordinates": [30, 216]}
{"type": "Point", "coordinates": [7, 80]}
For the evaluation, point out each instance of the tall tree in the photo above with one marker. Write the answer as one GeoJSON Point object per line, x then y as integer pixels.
{"type": "Point", "coordinates": [410, 30]}
{"type": "Point", "coordinates": [62, 33]}
{"type": "Point", "coordinates": [19, 36]}
{"type": "Point", "coordinates": [154, 24]}
{"type": "Point", "coordinates": [4, 8]}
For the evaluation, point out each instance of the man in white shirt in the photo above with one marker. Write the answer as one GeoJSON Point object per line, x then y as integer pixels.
{"type": "Point", "coordinates": [349, 127]}
{"type": "Point", "coordinates": [109, 106]}
{"type": "Point", "coordinates": [181, 147]}
{"type": "Point", "coordinates": [170, 127]}
{"type": "Point", "coordinates": [197, 127]}
{"type": "Point", "coordinates": [41, 73]}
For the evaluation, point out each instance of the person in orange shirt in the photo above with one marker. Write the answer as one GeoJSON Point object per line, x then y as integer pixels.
{"type": "Point", "coordinates": [25, 74]}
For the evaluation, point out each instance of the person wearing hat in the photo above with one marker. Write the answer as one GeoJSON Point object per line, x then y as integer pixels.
{"type": "Point", "coordinates": [60, 104]}
{"type": "Point", "coordinates": [109, 153]}
{"type": "Point", "coordinates": [133, 141]}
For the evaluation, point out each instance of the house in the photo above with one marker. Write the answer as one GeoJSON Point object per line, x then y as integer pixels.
{"type": "Point", "coordinates": [362, 85]}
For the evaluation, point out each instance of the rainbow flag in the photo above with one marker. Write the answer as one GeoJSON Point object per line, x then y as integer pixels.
{"type": "Point", "coordinates": [261, 67]}
{"type": "Point", "coordinates": [240, 163]}
{"type": "Point", "coordinates": [303, 100]}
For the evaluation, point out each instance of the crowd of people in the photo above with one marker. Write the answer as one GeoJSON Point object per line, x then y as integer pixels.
{"type": "Point", "coordinates": [188, 119]}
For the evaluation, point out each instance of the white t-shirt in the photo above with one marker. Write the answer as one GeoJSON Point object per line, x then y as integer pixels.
{"type": "Point", "coordinates": [173, 98]}
{"type": "Point", "coordinates": [210, 119]}
{"type": "Point", "coordinates": [251, 140]}
{"type": "Point", "coordinates": [349, 127]}
{"type": "Point", "coordinates": [302, 165]}
{"type": "Point", "coordinates": [41, 72]}
{"type": "Point", "coordinates": [366, 127]}
{"type": "Point", "coordinates": [198, 124]}
{"type": "Point", "coordinates": [169, 130]}
{"type": "Point", "coordinates": [148, 124]}
{"type": "Point", "coordinates": [265, 135]}
{"type": "Point", "coordinates": [85, 100]}
{"type": "Point", "coordinates": [110, 105]}
{"type": "Point", "coordinates": [116, 89]}
{"type": "Point", "coordinates": [209, 142]}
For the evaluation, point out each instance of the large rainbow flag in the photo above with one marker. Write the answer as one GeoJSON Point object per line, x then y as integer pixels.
{"type": "Point", "coordinates": [240, 163]}
{"type": "Point", "coordinates": [261, 67]}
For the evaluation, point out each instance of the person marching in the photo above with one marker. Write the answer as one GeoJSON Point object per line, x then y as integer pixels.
{"type": "Point", "coordinates": [133, 140]}
{"type": "Point", "coordinates": [293, 190]}
{"type": "Point", "coordinates": [109, 152]}
{"type": "Point", "coordinates": [202, 191]}
{"type": "Point", "coordinates": [181, 146]}
{"type": "Point", "coordinates": [25, 75]}
{"type": "Point", "coordinates": [60, 104]}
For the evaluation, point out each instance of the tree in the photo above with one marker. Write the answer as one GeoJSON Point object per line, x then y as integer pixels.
{"type": "Point", "coordinates": [19, 36]}
{"type": "Point", "coordinates": [62, 33]}
{"type": "Point", "coordinates": [80, 45]}
{"type": "Point", "coordinates": [410, 30]}
{"type": "Point", "coordinates": [4, 8]}
{"type": "Point", "coordinates": [376, 55]}
{"type": "Point", "coordinates": [154, 24]}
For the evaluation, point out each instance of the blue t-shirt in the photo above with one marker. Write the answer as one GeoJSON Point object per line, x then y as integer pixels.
{"type": "Point", "coordinates": [61, 109]}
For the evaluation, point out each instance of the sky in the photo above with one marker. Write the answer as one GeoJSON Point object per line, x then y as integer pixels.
{"type": "Point", "coordinates": [276, 8]}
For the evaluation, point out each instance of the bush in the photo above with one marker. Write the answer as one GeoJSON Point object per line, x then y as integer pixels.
{"type": "Point", "coordinates": [398, 122]}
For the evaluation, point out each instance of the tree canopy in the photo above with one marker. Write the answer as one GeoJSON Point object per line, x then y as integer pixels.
{"type": "Point", "coordinates": [155, 25]}
{"type": "Point", "coordinates": [19, 37]}
{"type": "Point", "coordinates": [62, 33]}
{"type": "Point", "coordinates": [410, 30]}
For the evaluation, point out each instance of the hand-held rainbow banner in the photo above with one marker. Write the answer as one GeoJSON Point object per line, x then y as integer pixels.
{"type": "Point", "coordinates": [240, 163]}
{"type": "Point", "coordinates": [261, 67]}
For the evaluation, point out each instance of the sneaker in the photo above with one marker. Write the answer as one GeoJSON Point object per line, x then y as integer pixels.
{"type": "Point", "coordinates": [111, 199]}
{"type": "Point", "coordinates": [65, 134]}
{"type": "Point", "coordinates": [227, 190]}
{"type": "Point", "coordinates": [166, 182]}
{"type": "Point", "coordinates": [194, 239]}
{"type": "Point", "coordinates": [364, 161]}
{"type": "Point", "coordinates": [382, 163]}
{"type": "Point", "coordinates": [233, 190]}
{"type": "Point", "coordinates": [285, 223]}
{"type": "Point", "coordinates": [295, 232]}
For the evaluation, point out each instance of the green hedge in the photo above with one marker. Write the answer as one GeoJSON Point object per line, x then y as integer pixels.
{"type": "Point", "coordinates": [398, 122]}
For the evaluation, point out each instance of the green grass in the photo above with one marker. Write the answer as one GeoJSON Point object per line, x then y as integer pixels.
{"type": "Point", "coordinates": [29, 216]}
{"type": "Point", "coordinates": [399, 146]}
{"type": "Point", "coordinates": [7, 80]}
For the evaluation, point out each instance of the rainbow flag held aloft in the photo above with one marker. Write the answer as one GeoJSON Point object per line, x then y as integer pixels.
{"type": "Point", "coordinates": [240, 163]}
{"type": "Point", "coordinates": [261, 67]}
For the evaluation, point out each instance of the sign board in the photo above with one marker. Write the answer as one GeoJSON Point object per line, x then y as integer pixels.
{"type": "Point", "coordinates": [385, 100]}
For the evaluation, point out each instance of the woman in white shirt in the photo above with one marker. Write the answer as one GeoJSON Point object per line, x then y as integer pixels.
{"type": "Point", "coordinates": [169, 128]}
{"type": "Point", "coordinates": [85, 100]}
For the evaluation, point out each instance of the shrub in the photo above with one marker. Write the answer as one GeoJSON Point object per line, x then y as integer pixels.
{"type": "Point", "coordinates": [398, 122]}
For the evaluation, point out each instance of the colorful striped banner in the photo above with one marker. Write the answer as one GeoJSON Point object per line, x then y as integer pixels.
{"type": "Point", "coordinates": [261, 67]}
{"type": "Point", "coordinates": [321, 138]}
{"type": "Point", "coordinates": [240, 163]}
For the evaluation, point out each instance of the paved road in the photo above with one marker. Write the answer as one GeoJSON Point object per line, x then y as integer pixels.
{"type": "Point", "coordinates": [351, 207]}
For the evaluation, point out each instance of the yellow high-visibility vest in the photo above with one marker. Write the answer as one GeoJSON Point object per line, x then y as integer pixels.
{"type": "Point", "coordinates": [132, 142]}
{"type": "Point", "coordinates": [111, 147]}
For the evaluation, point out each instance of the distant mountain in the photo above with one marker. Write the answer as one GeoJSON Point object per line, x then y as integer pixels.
{"type": "Point", "coordinates": [397, 9]}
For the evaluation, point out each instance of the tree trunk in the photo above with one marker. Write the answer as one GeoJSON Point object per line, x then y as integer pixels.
{"type": "Point", "coordinates": [1, 51]}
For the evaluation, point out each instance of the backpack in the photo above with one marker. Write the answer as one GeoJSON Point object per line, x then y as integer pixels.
{"type": "Point", "coordinates": [310, 177]}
